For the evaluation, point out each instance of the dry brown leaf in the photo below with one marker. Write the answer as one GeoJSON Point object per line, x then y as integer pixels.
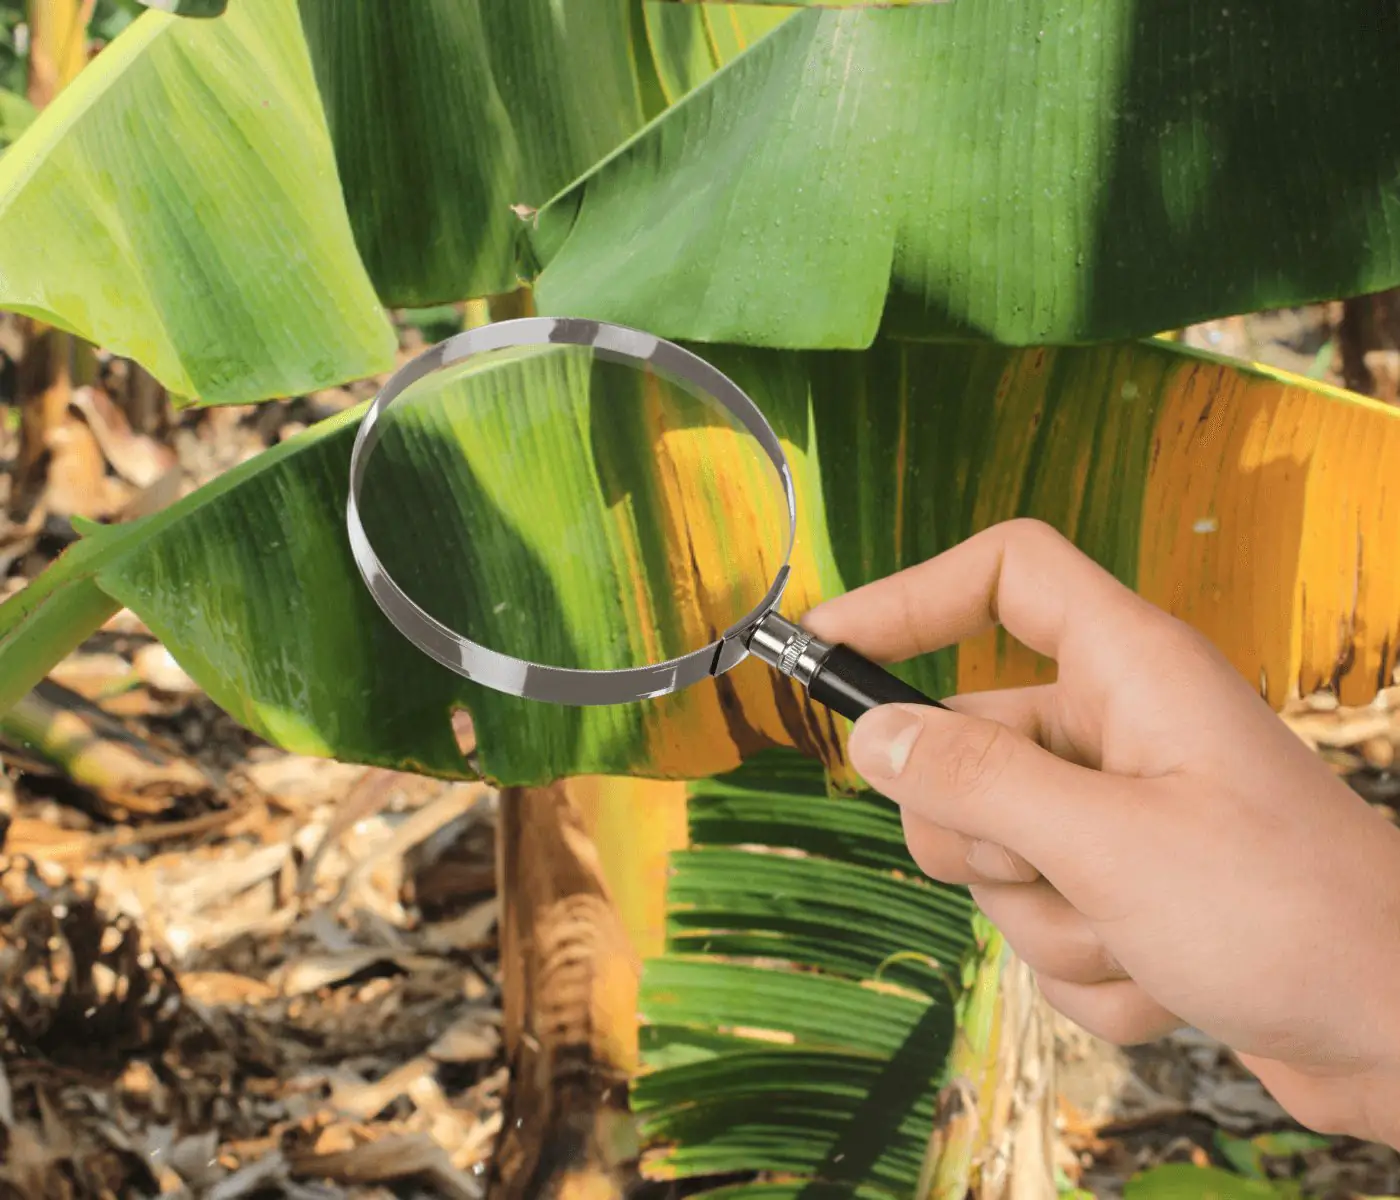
{"type": "Point", "coordinates": [396, 1156]}
{"type": "Point", "coordinates": [312, 972]}
{"type": "Point", "coordinates": [251, 915]}
{"type": "Point", "coordinates": [204, 884]}
{"type": "Point", "coordinates": [256, 1176]}
{"type": "Point", "coordinates": [42, 839]}
{"type": "Point", "coordinates": [457, 802]}
{"type": "Point", "coordinates": [299, 783]}
{"type": "Point", "coordinates": [475, 1036]}
{"type": "Point", "coordinates": [156, 496]}
{"type": "Point", "coordinates": [137, 459]}
{"type": "Point", "coordinates": [224, 988]}
{"type": "Point", "coordinates": [370, 793]}
{"type": "Point", "coordinates": [364, 1100]}
{"type": "Point", "coordinates": [477, 1144]}
{"type": "Point", "coordinates": [473, 930]}
{"type": "Point", "coordinates": [78, 484]}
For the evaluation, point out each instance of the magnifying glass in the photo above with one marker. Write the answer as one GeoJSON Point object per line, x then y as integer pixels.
{"type": "Point", "coordinates": [531, 451]}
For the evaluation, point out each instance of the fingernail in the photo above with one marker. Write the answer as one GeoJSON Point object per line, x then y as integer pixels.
{"type": "Point", "coordinates": [998, 864]}
{"type": "Point", "coordinates": [883, 740]}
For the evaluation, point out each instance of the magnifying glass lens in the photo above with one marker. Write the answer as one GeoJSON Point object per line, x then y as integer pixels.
{"type": "Point", "coordinates": [572, 508]}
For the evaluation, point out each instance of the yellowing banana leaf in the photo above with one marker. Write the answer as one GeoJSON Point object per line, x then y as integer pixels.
{"type": "Point", "coordinates": [1054, 171]}
{"type": "Point", "coordinates": [548, 523]}
{"type": "Point", "coordinates": [801, 1020]}
{"type": "Point", "coordinates": [178, 203]}
{"type": "Point", "coordinates": [447, 117]}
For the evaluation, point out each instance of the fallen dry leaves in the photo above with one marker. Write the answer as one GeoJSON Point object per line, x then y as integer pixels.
{"type": "Point", "coordinates": [236, 992]}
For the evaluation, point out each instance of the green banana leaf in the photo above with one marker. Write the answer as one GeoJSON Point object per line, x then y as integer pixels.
{"type": "Point", "coordinates": [188, 8]}
{"type": "Point", "coordinates": [690, 42]}
{"type": "Point", "coordinates": [1054, 171]}
{"type": "Point", "coordinates": [1181, 1181]}
{"type": "Point", "coordinates": [1233, 496]}
{"type": "Point", "coordinates": [16, 115]}
{"type": "Point", "coordinates": [178, 203]}
{"type": "Point", "coordinates": [448, 125]}
{"type": "Point", "coordinates": [444, 120]}
{"type": "Point", "coordinates": [1032, 173]}
{"type": "Point", "coordinates": [801, 1019]}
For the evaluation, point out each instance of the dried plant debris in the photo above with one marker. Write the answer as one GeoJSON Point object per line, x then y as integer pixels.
{"type": "Point", "coordinates": [248, 1001]}
{"type": "Point", "coordinates": [78, 986]}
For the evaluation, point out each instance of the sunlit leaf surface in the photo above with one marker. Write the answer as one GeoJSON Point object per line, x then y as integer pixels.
{"type": "Point", "coordinates": [1054, 171]}
{"type": "Point", "coordinates": [178, 203]}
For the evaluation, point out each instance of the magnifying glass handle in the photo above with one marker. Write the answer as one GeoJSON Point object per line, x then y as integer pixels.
{"type": "Point", "coordinates": [852, 685]}
{"type": "Point", "coordinates": [836, 676]}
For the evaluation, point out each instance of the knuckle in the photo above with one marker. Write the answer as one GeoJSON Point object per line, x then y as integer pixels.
{"type": "Point", "coordinates": [1184, 651]}
{"type": "Point", "coordinates": [1032, 529]}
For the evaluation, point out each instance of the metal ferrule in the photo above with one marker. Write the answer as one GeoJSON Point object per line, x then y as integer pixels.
{"type": "Point", "coordinates": [789, 648]}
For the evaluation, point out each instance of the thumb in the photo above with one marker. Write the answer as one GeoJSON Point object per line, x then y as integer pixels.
{"type": "Point", "coordinates": [986, 780]}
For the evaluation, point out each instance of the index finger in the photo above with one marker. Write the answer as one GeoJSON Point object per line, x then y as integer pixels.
{"type": "Point", "coordinates": [1021, 574]}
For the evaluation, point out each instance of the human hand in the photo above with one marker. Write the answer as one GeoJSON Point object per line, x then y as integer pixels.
{"type": "Point", "coordinates": [1147, 834]}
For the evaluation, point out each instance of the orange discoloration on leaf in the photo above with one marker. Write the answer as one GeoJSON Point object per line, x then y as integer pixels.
{"type": "Point", "coordinates": [1265, 510]}
{"type": "Point", "coordinates": [726, 520]}
{"type": "Point", "coordinates": [1269, 525]}
{"type": "Point", "coordinates": [1019, 407]}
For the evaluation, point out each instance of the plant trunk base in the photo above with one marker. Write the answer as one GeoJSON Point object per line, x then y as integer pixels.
{"type": "Point", "coordinates": [569, 982]}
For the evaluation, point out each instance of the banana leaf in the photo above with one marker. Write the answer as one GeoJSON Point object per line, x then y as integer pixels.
{"type": "Point", "coordinates": [1055, 171]}
{"type": "Point", "coordinates": [178, 203]}
{"type": "Point", "coordinates": [445, 121]}
{"type": "Point", "coordinates": [691, 41]}
{"type": "Point", "coordinates": [16, 115]}
{"type": "Point", "coordinates": [1030, 173]}
{"type": "Point", "coordinates": [769, 1045]}
{"type": "Point", "coordinates": [1239, 498]}
{"type": "Point", "coordinates": [188, 8]}
{"type": "Point", "coordinates": [1183, 1181]}
{"type": "Point", "coordinates": [448, 125]}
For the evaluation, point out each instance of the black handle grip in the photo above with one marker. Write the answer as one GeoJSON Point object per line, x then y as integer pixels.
{"type": "Point", "coordinates": [852, 685]}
